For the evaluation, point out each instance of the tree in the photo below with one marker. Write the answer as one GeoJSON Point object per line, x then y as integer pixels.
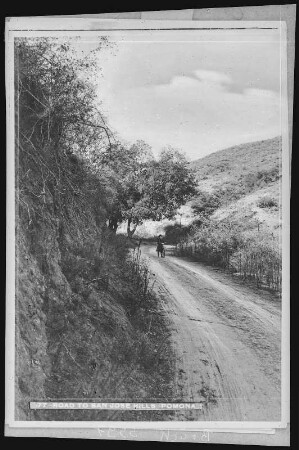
{"type": "Point", "coordinates": [60, 130]}
{"type": "Point", "coordinates": [126, 166]}
{"type": "Point", "coordinates": [149, 188]}
{"type": "Point", "coordinates": [57, 99]}
{"type": "Point", "coordinates": [143, 151]}
{"type": "Point", "coordinates": [59, 116]}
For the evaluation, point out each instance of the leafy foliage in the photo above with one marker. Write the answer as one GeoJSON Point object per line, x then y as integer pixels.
{"type": "Point", "coordinates": [59, 116]}
{"type": "Point", "coordinates": [255, 256]}
{"type": "Point", "coordinates": [57, 99]}
{"type": "Point", "coordinates": [205, 203]}
{"type": "Point", "coordinates": [148, 188]}
{"type": "Point", "coordinates": [58, 125]}
{"type": "Point", "coordinates": [80, 324]}
{"type": "Point", "coordinates": [175, 233]}
{"type": "Point", "coordinates": [267, 202]}
{"type": "Point", "coordinates": [169, 184]}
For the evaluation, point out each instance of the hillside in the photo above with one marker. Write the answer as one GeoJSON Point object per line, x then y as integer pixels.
{"type": "Point", "coordinates": [251, 165]}
{"type": "Point", "coordinates": [247, 180]}
{"type": "Point", "coordinates": [81, 304]}
{"type": "Point", "coordinates": [241, 177]}
{"type": "Point", "coordinates": [237, 219]}
{"type": "Point", "coordinates": [83, 326]}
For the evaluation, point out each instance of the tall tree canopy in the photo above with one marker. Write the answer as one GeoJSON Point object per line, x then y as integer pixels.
{"type": "Point", "coordinates": [60, 113]}
{"type": "Point", "coordinates": [148, 188]}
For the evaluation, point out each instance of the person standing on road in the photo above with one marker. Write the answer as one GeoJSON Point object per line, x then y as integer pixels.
{"type": "Point", "coordinates": [160, 244]}
{"type": "Point", "coordinates": [160, 240]}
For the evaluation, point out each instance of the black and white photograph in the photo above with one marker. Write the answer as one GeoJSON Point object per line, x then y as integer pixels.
{"type": "Point", "coordinates": [149, 222]}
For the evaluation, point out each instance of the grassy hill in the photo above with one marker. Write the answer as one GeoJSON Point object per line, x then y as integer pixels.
{"type": "Point", "coordinates": [237, 213]}
{"type": "Point", "coordinates": [250, 166]}
{"type": "Point", "coordinates": [247, 179]}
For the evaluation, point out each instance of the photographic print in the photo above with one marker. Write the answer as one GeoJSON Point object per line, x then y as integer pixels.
{"type": "Point", "coordinates": [150, 169]}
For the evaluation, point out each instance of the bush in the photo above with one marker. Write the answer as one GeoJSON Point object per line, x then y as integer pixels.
{"type": "Point", "coordinates": [261, 178]}
{"type": "Point", "coordinates": [174, 233]}
{"type": "Point", "coordinates": [206, 203]}
{"type": "Point", "coordinates": [267, 202]}
{"type": "Point", "coordinates": [255, 257]}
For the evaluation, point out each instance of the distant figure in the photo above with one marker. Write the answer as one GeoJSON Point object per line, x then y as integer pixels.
{"type": "Point", "coordinates": [160, 246]}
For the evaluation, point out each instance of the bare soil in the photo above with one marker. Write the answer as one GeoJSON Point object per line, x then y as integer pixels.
{"type": "Point", "coordinates": [226, 338]}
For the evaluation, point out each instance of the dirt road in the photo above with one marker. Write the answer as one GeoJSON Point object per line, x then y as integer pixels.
{"type": "Point", "coordinates": [226, 338]}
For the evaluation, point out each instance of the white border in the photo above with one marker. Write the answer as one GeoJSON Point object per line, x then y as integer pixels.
{"type": "Point", "coordinates": [286, 194]}
{"type": "Point", "coordinates": [69, 26]}
{"type": "Point", "coordinates": [87, 24]}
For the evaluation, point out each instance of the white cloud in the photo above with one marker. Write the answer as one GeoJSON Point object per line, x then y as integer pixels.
{"type": "Point", "coordinates": [178, 82]}
{"type": "Point", "coordinates": [199, 110]}
{"type": "Point", "coordinates": [261, 93]}
{"type": "Point", "coordinates": [212, 76]}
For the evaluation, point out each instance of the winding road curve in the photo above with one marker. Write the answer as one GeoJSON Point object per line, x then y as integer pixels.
{"type": "Point", "coordinates": [226, 338]}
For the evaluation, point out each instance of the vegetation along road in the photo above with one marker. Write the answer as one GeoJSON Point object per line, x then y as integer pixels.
{"type": "Point", "coordinates": [226, 337]}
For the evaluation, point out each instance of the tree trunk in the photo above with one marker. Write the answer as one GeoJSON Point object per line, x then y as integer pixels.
{"type": "Point", "coordinates": [113, 225]}
{"type": "Point", "coordinates": [129, 231]}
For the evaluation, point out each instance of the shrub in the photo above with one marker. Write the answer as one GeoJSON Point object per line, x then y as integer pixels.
{"type": "Point", "coordinates": [255, 257]}
{"type": "Point", "coordinates": [206, 203]}
{"type": "Point", "coordinates": [174, 233]}
{"type": "Point", "coordinates": [267, 202]}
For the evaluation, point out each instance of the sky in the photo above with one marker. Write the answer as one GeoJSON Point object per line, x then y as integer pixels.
{"type": "Point", "coordinates": [199, 92]}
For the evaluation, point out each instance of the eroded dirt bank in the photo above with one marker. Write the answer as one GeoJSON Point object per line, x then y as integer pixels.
{"type": "Point", "coordinates": [226, 338]}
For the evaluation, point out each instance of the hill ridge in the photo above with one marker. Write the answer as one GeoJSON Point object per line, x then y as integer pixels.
{"type": "Point", "coordinates": [235, 147]}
